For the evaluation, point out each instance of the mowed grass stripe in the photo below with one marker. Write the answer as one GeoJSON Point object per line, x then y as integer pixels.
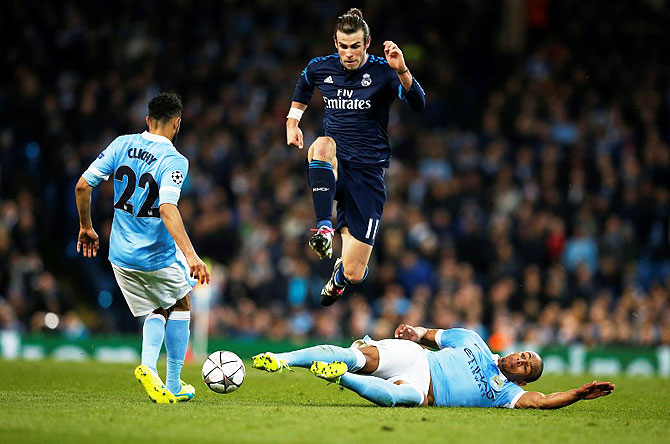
{"type": "Point", "coordinates": [47, 401]}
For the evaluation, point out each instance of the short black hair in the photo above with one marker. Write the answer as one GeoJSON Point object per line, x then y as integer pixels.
{"type": "Point", "coordinates": [165, 105]}
{"type": "Point", "coordinates": [537, 371]}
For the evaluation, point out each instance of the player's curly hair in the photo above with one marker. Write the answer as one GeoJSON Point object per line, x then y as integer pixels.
{"type": "Point", "coordinates": [165, 105]}
{"type": "Point", "coordinates": [352, 22]}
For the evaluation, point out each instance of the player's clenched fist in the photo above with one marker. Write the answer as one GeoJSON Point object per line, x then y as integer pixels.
{"type": "Point", "coordinates": [294, 136]}
{"type": "Point", "coordinates": [394, 56]}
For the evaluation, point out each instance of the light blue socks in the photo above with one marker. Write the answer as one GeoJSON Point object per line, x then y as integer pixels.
{"type": "Point", "coordinates": [381, 391]}
{"type": "Point", "coordinates": [353, 357]}
{"type": "Point", "coordinates": [152, 339]}
{"type": "Point", "coordinates": [377, 390]}
{"type": "Point", "coordinates": [176, 343]}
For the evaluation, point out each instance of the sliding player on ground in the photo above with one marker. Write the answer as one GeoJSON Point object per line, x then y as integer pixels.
{"type": "Point", "coordinates": [461, 373]}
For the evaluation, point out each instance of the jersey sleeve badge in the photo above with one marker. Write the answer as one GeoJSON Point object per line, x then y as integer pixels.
{"type": "Point", "coordinates": [177, 177]}
{"type": "Point", "coordinates": [496, 383]}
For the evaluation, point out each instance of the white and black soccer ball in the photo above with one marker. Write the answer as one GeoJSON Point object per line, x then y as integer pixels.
{"type": "Point", "coordinates": [223, 372]}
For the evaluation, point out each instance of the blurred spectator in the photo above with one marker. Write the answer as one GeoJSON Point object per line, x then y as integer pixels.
{"type": "Point", "coordinates": [531, 200]}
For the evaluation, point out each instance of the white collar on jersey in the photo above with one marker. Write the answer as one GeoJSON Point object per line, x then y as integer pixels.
{"type": "Point", "coordinates": [156, 138]}
{"type": "Point", "coordinates": [496, 358]}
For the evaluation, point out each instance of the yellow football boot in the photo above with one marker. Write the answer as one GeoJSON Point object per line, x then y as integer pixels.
{"type": "Point", "coordinates": [330, 371]}
{"type": "Point", "coordinates": [154, 386]}
{"type": "Point", "coordinates": [269, 362]}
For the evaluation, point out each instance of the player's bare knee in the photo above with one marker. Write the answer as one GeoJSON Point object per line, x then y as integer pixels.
{"type": "Point", "coordinates": [355, 273]}
{"type": "Point", "coordinates": [324, 149]}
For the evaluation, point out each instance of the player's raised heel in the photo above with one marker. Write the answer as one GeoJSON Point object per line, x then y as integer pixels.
{"type": "Point", "coordinates": [186, 393]}
{"type": "Point", "coordinates": [154, 386]}
{"type": "Point", "coordinates": [331, 292]}
{"type": "Point", "coordinates": [269, 362]}
{"type": "Point", "coordinates": [330, 371]}
{"type": "Point", "coordinates": [322, 242]}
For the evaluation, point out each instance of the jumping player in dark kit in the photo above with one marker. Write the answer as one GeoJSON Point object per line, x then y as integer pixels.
{"type": "Point", "coordinates": [347, 163]}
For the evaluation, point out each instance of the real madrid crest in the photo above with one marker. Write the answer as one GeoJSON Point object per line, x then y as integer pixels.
{"type": "Point", "coordinates": [367, 80]}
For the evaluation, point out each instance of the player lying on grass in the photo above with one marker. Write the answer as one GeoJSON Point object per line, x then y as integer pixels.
{"type": "Point", "coordinates": [461, 373]}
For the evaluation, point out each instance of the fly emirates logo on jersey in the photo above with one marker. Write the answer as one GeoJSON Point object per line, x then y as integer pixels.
{"type": "Point", "coordinates": [345, 100]}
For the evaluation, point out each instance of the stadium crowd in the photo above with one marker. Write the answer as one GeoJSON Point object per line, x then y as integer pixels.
{"type": "Point", "coordinates": [530, 202]}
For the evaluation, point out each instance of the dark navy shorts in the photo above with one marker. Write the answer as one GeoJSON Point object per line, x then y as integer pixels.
{"type": "Point", "coordinates": [360, 196]}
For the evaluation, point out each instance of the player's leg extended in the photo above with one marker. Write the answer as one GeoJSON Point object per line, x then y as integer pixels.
{"type": "Point", "coordinates": [372, 388]}
{"type": "Point", "coordinates": [176, 342]}
{"type": "Point", "coordinates": [322, 177]}
{"type": "Point", "coordinates": [352, 358]}
{"type": "Point", "coordinates": [381, 391]}
{"type": "Point", "coordinates": [351, 269]}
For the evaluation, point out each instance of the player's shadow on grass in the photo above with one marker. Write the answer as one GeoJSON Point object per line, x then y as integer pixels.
{"type": "Point", "coordinates": [335, 404]}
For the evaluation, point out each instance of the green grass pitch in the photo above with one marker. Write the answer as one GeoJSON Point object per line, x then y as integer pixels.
{"type": "Point", "coordinates": [51, 402]}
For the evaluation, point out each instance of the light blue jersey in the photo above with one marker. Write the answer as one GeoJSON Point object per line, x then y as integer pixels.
{"type": "Point", "coordinates": [148, 171]}
{"type": "Point", "coordinates": [465, 373]}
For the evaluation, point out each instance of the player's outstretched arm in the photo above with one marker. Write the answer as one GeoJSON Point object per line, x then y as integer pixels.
{"type": "Point", "coordinates": [175, 225]}
{"type": "Point", "coordinates": [537, 400]}
{"type": "Point", "coordinates": [422, 335]}
{"type": "Point", "coordinates": [88, 240]}
{"type": "Point", "coordinates": [293, 132]}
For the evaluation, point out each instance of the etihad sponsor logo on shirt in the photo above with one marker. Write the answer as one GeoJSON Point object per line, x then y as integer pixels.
{"type": "Point", "coordinates": [478, 374]}
{"type": "Point", "coordinates": [345, 100]}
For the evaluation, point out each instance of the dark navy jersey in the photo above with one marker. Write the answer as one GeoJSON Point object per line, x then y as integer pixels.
{"type": "Point", "coordinates": [357, 105]}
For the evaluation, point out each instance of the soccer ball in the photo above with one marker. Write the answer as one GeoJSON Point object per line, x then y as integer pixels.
{"type": "Point", "coordinates": [223, 372]}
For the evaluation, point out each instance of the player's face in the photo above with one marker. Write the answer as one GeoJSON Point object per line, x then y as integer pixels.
{"type": "Point", "coordinates": [519, 366]}
{"type": "Point", "coordinates": [351, 48]}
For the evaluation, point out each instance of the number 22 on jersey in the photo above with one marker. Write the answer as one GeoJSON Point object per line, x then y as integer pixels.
{"type": "Point", "coordinates": [147, 208]}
